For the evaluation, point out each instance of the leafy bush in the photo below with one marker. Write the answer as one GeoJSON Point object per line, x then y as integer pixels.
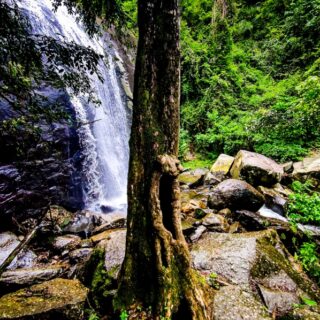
{"type": "Point", "coordinates": [310, 259]}
{"type": "Point", "coordinates": [304, 205]}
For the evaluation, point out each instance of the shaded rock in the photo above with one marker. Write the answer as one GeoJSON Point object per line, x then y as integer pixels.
{"type": "Point", "coordinates": [82, 254]}
{"type": "Point", "coordinates": [24, 277]}
{"type": "Point", "coordinates": [196, 235]}
{"type": "Point", "coordinates": [8, 242]}
{"type": "Point", "coordinates": [66, 242]}
{"type": "Point", "coordinates": [192, 178]}
{"type": "Point", "coordinates": [287, 167]}
{"type": "Point", "coordinates": [25, 259]}
{"type": "Point", "coordinates": [235, 194]}
{"type": "Point", "coordinates": [55, 299]}
{"type": "Point", "coordinates": [308, 168]}
{"type": "Point", "coordinates": [253, 221]}
{"type": "Point", "coordinates": [80, 223]}
{"type": "Point", "coordinates": [275, 200]}
{"type": "Point", "coordinates": [312, 231]}
{"type": "Point", "coordinates": [256, 169]}
{"type": "Point", "coordinates": [234, 303]}
{"type": "Point", "coordinates": [222, 165]}
{"type": "Point", "coordinates": [215, 222]}
{"type": "Point", "coordinates": [58, 217]}
{"type": "Point", "coordinates": [252, 258]}
{"type": "Point", "coordinates": [114, 246]}
{"type": "Point", "coordinates": [111, 221]}
{"type": "Point", "coordinates": [211, 179]}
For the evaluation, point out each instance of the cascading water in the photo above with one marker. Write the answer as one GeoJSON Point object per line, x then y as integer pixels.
{"type": "Point", "coordinates": [103, 129]}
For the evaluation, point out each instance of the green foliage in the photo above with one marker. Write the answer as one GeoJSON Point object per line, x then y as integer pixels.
{"type": "Point", "coordinates": [124, 315]}
{"type": "Point", "coordinates": [304, 205]}
{"type": "Point", "coordinates": [310, 259]}
{"type": "Point", "coordinates": [198, 162]}
{"type": "Point", "coordinates": [250, 76]}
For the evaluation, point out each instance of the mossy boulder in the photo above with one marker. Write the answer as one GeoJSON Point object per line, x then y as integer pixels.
{"type": "Point", "coordinates": [222, 165]}
{"type": "Point", "coordinates": [257, 261]}
{"type": "Point", "coordinates": [52, 300]}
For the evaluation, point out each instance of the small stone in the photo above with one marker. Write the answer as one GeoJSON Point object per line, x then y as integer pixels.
{"type": "Point", "coordinates": [66, 242]}
{"type": "Point", "coordinates": [215, 222]}
{"type": "Point", "coordinates": [8, 242]}
{"type": "Point", "coordinates": [80, 254]}
{"type": "Point", "coordinates": [195, 236]}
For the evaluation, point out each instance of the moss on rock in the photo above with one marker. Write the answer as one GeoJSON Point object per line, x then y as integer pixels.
{"type": "Point", "coordinates": [56, 299]}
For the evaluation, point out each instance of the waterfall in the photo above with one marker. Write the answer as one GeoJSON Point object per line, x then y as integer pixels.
{"type": "Point", "coordinates": [104, 129]}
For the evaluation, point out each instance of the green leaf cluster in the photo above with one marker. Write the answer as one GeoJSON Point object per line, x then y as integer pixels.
{"type": "Point", "coordinates": [304, 204]}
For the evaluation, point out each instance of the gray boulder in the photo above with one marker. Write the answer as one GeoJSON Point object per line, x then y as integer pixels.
{"type": "Point", "coordinates": [235, 194]}
{"type": "Point", "coordinates": [256, 169]}
{"type": "Point", "coordinates": [258, 262]}
{"type": "Point", "coordinates": [29, 276]}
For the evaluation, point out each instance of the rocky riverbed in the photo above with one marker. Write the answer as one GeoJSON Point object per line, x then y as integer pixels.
{"type": "Point", "coordinates": [233, 217]}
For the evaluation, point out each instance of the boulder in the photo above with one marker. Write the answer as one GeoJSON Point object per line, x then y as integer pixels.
{"type": "Point", "coordinates": [253, 261]}
{"type": "Point", "coordinates": [29, 276]}
{"type": "Point", "coordinates": [235, 194]}
{"type": "Point", "coordinates": [234, 303]}
{"type": "Point", "coordinates": [308, 168]}
{"type": "Point", "coordinates": [222, 165]}
{"type": "Point", "coordinates": [256, 169]}
{"type": "Point", "coordinates": [114, 246]}
{"type": "Point", "coordinates": [55, 299]}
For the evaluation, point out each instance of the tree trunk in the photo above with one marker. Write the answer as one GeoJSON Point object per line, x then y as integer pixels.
{"type": "Point", "coordinates": [156, 274]}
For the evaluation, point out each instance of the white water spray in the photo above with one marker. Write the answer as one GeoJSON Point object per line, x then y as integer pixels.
{"type": "Point", "coordinates": [104, 134]}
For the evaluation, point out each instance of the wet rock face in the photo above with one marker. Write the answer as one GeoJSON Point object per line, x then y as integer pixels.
{"type": "Point", "coordinates": [56, 299]}
{"type": "Point", "coordinates": [47, 170]}
{"type": "Point", "coordinates": [256, 169]}
{"type": "Point", "coordinates": [235, 194]}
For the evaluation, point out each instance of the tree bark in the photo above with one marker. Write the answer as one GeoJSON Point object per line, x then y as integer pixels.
{"type": "Point", "coordinates": [156, 275]}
